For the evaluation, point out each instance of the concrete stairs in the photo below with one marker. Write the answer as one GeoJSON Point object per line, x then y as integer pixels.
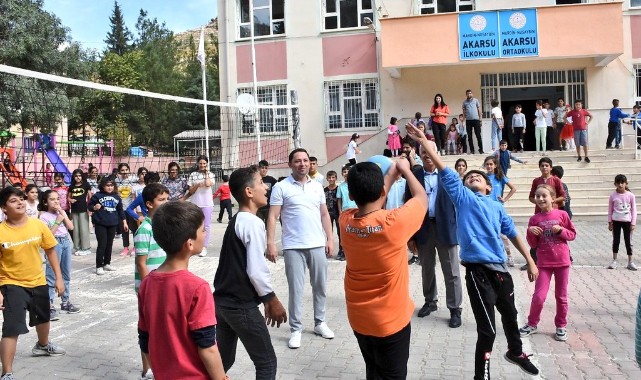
{"type": "Point", "coordinates": [589, 185]}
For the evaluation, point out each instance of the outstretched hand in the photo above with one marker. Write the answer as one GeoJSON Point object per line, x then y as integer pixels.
{"type": "Point", "coordinates": [419, 136]}
{"type": "Point", "coordinates": [275, 313]}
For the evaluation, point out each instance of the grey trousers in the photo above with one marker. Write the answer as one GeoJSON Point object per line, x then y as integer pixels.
{"type": "Point", "coordinates": [296, 261]}
{"type": "Point", "coordinates": [450, 265]}
{"type": "Point", "coordinates": [80, 230]}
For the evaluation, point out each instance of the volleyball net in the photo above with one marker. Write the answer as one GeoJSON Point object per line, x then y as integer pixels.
{"type": "Point", "coordinates": [87, 122]}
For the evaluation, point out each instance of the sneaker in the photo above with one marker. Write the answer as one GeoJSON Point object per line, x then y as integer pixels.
{"type": "Point", "coordinates": [83, 252]}
{"type": "Point", "coordinates": [587, 160]}
{"type": "Point", "coordinates": [7, 376]}
{"type": "Point", "coordinates": [324, 331]}
{"type": "Point", "coordinates": [219, 220]}
{"type": "Point", "coordinates": [617, 147]}
{"type": "Point", "coordinates": [294, 339]}
{"type": "Point", "coordinates": [109, 268]}
{"type": "Point", "coordinates": [53, 314]}
{"type": "Point", "coordinates": [578, 159]}
{"type": "Point", "coordinates": [523, 361]}
{"type": "Point", "coordinates": [340, 256]}
{"type": "Point", "coordinates": [100, 271]}
{"type": "Point", "coordinates": [527, 330]}
{"type": "Point", "coordinates": [413, 260]}
{"type": "Point", "coordinates": [77, 253]}
{"type": "Point", "coordinates": [510, 261]}
{"type": "Point", "coordinates": [149, 375]}
{"type": "Point", "coordinates": [631, 266]}
{"type": "Point", "coordinates": [118, 236]}
{"type": "Point", "coordinates": [69, 308]}
{"type": "Point", "coordinates": [125, 251]}
{"type": "Point", "coordinates": [613, 265]}
{"type": "Point", "coordinates": [561, 335]}
{"type": "Point", "coordinates": [203, 253]}
{"type": "Point", "coordinates": [49, 350]}
{"type": "Point", "coordinates": [132, 252]}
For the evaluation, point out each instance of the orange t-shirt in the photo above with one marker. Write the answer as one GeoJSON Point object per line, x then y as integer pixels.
{"type": "Point", "coordinates": [440, 119]}
{"type": "Point", "coordinates": [377, 276]}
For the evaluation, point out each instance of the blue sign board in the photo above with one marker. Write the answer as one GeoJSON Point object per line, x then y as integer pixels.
{"type": "Point", "coordinates": [518, 33]}
{"type": "Point", "coordinates": [502, 34]}
{"type": "Point", "coordinates": [478, 35]}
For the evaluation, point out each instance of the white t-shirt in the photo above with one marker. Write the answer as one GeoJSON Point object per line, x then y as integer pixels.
{"type": "Point", "coordinates": [540, 118]}
{"type": "Point", "coordinates": [497, 113]}
{"type": "Point", "coordinates": [351, 150]}
{"type": "Point", "coordinates": [204, 196]}
{"type": "Point", "coordinates": [300, 212]}
{"type": "Point", "coordinates": [548, 117]}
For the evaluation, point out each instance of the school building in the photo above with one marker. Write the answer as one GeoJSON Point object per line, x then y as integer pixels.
{"type": "Point", "coordinates": [352, 64]}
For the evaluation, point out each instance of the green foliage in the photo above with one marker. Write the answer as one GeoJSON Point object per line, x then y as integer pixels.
{"type": "Point", "coordinates": [119, 37]}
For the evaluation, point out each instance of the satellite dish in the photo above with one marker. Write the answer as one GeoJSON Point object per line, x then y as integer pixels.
{"type": "Point", "coordinates": [246, 104]}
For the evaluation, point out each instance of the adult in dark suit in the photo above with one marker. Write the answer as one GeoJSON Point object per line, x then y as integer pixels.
{"type": "Point", "coordinates": [437, 235]}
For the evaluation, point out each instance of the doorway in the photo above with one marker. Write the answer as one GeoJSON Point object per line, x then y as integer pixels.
{"type": "Point", "coordinates": [526, 97]}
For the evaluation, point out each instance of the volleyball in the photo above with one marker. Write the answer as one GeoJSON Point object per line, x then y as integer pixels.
{"type": "Point", "coordinates": [385, 163]}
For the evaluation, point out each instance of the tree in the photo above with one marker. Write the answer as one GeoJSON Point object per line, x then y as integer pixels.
{"type": "Point", "coordinates": [34, 39]}
{"type": "Point", "coordinates": [119, 37]}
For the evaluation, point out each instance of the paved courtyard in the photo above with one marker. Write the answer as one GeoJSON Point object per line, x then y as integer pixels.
{"type": "Point", "coordinates": [101, 341]}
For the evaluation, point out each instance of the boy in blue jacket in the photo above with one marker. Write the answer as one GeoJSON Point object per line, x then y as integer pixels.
{"type": "Point", "coordinates": [480, 222]}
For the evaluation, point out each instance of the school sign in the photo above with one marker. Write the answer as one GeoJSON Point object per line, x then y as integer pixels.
{"type": "Point", "coordinates": [498, 34]}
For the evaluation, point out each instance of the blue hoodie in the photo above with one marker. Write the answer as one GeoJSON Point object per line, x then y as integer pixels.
{"type": "Point", "coordinates": [110, 212]}
{"type": "Point", "coordinates": [480, 220]}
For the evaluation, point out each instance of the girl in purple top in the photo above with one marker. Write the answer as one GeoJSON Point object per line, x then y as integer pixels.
{"type": "Point", "coordinates": [622, 215]}
{"type": "Point", "coordinates": [549, 232]}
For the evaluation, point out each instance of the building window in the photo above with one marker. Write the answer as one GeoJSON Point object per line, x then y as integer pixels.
{"type": "Point", "coordinates": [351, 104]}
{"type": "Point", "coordinates": [635, 3]}
{"type": "Point", "coordinates": [428, 7]}
{"type": "Point", "coordinates": [637, 84]}
{"type": "Point", "coordinates": [269, 18]}
{"type": "Point", "coordinates": [341, 14]}
{"type": "Point", "coordinates": [272, 120]}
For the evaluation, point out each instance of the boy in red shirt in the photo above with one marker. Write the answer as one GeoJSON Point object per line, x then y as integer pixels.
{"type": "Point", "coordinates": [176, 313]}
{"type": "Point", "coordinates": [580, 122]}
{"type": "Point", "coordinates": [225, 199]}
{"type": "Point", "coordinates": [379, 307]}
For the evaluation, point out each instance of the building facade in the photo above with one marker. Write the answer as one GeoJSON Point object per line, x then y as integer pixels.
{"type": "Point", "coordinates": [353, 64]}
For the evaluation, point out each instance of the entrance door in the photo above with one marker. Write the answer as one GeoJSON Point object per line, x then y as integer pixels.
{"type": "Point", "coordinates": [526, 97]}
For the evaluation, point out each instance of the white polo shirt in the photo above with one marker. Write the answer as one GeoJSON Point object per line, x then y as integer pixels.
{"type": "Point", "coordinates": [300, 212]}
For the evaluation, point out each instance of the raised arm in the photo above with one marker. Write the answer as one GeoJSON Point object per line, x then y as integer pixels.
{"type": "Point", "coordinates": [429, 146]}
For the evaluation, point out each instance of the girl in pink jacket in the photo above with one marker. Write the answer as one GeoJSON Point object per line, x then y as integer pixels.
{"type": "Point", "coordinates": [549, 232]}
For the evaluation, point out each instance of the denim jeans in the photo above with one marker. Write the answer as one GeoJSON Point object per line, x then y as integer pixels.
{"type": "Point", "coordinates": [249, 326]}
{"type": "Point", "coordinates": [497, 133]}
{"type": "Point", "coordinates": [64, 251]}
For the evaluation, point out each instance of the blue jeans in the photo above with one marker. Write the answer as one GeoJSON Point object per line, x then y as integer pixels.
{"type": "Point", "coordinates": [497, 133]}
{"type": "Point", "coordinates": [63, 249]}
{"type": "Point", "coordinates": [249, 326]}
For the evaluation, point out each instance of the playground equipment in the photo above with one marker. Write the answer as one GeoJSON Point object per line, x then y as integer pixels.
{"type": "Point", "coordinates": [47, 144]}
{"type": "Point", "coordinates": [9, 170]}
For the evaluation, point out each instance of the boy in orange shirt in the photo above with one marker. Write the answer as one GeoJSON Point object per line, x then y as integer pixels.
{"type": "Point", "coordinates": [374, 240]}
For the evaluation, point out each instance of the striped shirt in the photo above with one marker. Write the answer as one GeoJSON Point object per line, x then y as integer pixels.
{"type": "Point", "coordinates": [146, 246]}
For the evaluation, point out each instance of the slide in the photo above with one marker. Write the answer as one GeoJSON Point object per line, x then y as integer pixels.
{"type": "Point", "coordinates": [58, 165]}
{"type": "Point", "coordinates": [13, 175]}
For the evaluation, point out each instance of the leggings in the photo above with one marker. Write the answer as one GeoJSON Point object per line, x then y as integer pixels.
{"type": "Point", "coordinates": [105, 236]}
{"type": "Point", "coordinates": [541, 134]}
{"type": "Point", "coordinates": [616, 236]}
{"type": "Point", "coordinates": [207, 211]}
{"type": "Point", "coordinates": [561, 278]}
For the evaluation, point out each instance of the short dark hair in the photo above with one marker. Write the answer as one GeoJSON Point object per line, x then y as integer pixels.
{"type": "Point", "coordinates": [30, 187]}
{"type": "Point", "coordinates": [494, 102]}
{"type": "Point", "coordinates": [393, 120]}
{"type": "Point", "coordinates": [151, 191]}
{"type": "Point", "coordinates": [346, 167]}
{"type": "Point", "coordinates": [558, 171]}
{"type": "Point", "coordinates": [578, 101]}
{"type": "Point", "coordinates": [58, 175]}
{"type": "Point", "coordinates": [482, 173]}
{"type": "Point", "coordinates": [332, 173]}
{"type": "Point", "coordinates": [104, 181]}
{"type": "Point", "coordinates": [122, 165]}
{"type": "Point", "coordinates": [503, 142]}
{"type": "Point", "coordinates": [202, 157]}
{"type": "Point", "coordinates": [518, 106]}
{"type": "Point", "coordinates": [387, 153]}
{"type": "Point", "coordinates": [173, 164]}
{"type": "Point", "coordinates": [241, 179]}
{"type": "Point", "coordinates": [297, 150]}
{"type": "Point", "coordinates": [545, 159]}
{"type": "Point", "coordinates": [175, 223]}
{"type": "Point", "coordinates": [225, 178]}
{"type": "Point", "coordinates": [263, 163]}
{"type": "Point", "coordinates": [620, 178]}
{"type": "Point", "coordinates": [7, 192]}
{"type": "Point", "coordinates": [539, 102]}
{"type": "Point", "coordinates": [313, 159]}
{"type": "Point", "coordinates": [365, 183]}
{"type": "Point", "coordinates": [151, 177]}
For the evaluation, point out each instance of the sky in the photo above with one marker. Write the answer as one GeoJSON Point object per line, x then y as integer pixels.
{"type": "Point", "coordinates": [88, 20]}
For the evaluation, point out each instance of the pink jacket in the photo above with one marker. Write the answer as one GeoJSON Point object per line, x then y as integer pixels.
{"type": "Point", "coordinates": [551, 249]}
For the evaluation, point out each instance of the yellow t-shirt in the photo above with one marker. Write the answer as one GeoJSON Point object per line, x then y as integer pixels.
{"type": "Point", "coordinates": [376, 276]}
{"type": "Point", "coordinates": [20, 260]}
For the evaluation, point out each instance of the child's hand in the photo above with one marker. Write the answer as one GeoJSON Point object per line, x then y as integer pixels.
{"type": "Point", "coordinates": [535, 230]}
{"type": "Point", "coordinates": [414, 133]}
{"type": "Point", "coordinates": [275, 313]}
{"type": "Point", "coordinates": [532, 272]}
{"type": "Point", "coordinates": [632, 228]}
{"type": "Point", "coordinates": [125, 227]}
{"type": "Point", "coordinates": [610, 226]}
{"type": "Point", "coordinates": [402, 166]}
{"type": "Point", "coordinates": [97, 206]}
{"type": "Point", "coordinates": [557, 229]}
{"type": "Point", "coordinates": [59, 287]}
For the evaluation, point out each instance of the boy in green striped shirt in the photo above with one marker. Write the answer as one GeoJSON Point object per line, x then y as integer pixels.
{"type": "Point", "coordinates": [149, 255]}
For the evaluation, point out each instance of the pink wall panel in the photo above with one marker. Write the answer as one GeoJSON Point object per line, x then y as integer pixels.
{"type": "Point", "coordinates": [271, 62]}
{"type": "Point", "coordinates": [353, 54]}
{"type": "Point", "coordinates": [635, 31]}
{"type": "Point", "coordinates": [336, 146]}
{"type": "Point", "coordinates": [274, 151]}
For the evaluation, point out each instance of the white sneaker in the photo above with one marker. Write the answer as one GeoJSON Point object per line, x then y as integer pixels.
{"type": "Point", "coordinates": [510, 261]}
{"type": "Point", "coordinates": [294, 340]}
{"type": "Point", "coordinates": [149, 375]}
{"type": "Point", "coordinates": [100, 271]}
{"type": "Point", "coordinates": [613, 265]}
{"type": "Point", "coordinates": [323, 331]}
{"type": "Point", "coordinates": [109, 268]}
{"type": "Point", "coordinates": [203, 253]}
{"type": "Point", "coordinates": [561, 334]}
{"type": "Point", "coordinates": [84, 252]}
{"type": "Point", "coordinates": [631, 266]}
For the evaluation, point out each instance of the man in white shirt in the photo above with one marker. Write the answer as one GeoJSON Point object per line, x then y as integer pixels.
{"type": "Point", "coordinates": [307, 241]}
{"type": "Point", "coordinates": [313, 170]}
